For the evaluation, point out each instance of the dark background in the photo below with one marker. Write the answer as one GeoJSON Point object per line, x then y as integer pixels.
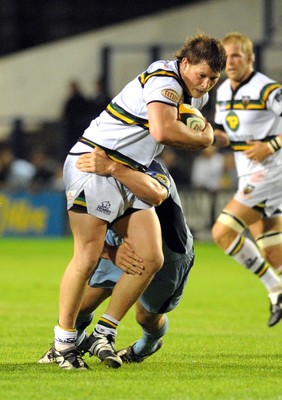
{"type": "Point", "coordinates": [28, 23]}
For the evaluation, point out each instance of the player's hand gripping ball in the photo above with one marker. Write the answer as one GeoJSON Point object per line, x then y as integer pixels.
{"type": "Point", "coordinates": [191, 117]}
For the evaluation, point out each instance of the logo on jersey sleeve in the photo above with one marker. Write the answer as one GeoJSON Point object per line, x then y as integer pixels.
{"type": "Point", "coordinates": [232, 121]}
{"type": "Point", "coordinates": [278, 96]}
{"type": "Point", "coordinates": [171, 95]}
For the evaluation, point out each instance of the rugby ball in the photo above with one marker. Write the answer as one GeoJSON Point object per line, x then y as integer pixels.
{"type": "Point", "coordinates": [191, 117]}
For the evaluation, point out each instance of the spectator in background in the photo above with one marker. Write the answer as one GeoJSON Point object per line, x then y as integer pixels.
{"type": "Point", "coordinates": [17, 138]}
{"type": "Point", "coordinates": [75, 116]}
{"type": "Point", "coordinates": [207, 170]}
{"type": "Point", "coordinates": [15, 173]}
{"type": "Point", "coordinates": [175, 166]}
{"type": "Point", "coordinates": [229, 179]}
{"type": "Point", "coordinates": [100, 100]}
{"type": "Point", "coordinates": [48, 172]}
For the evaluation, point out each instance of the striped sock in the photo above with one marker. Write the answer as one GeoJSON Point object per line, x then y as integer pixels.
{"type": "Point", "coordinates": [246, 253]}
{"type": "Point", "coordinates": [106, 325]}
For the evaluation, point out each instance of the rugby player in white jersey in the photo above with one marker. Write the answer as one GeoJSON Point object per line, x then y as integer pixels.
{"type": "Point", "coordinates": [165, 290]}
{"type": "Point", "coordinates": [133, 129]}
{"type": "Point", "coordinates": [248, 113]}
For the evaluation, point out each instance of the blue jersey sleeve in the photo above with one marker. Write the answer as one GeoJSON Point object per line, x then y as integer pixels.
{"type": "Point", "coordinates": [159, 172]}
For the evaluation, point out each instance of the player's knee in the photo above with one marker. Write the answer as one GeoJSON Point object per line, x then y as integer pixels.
{"type": "Point", "coordinates": [157, 263]}
{"type": "Point", "coordinates": [85, 264]}
{"type": "Point", "coordinates": [270, 245]}
{"type": "Point", "coordinates": [226, 228]}
{"type": "Point", "coordinates": [220, 235]}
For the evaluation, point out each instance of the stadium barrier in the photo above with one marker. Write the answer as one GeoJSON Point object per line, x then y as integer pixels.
{"type": "Point", "coordinates": [44, 214]}
{"type": "Point", "coordinates": [32, 214]}
{"type": "Point", "coordinates": [201, 208]}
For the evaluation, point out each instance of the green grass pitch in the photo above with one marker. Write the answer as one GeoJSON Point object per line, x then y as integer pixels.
{"type": "Point", "coordinates": [218, 345]}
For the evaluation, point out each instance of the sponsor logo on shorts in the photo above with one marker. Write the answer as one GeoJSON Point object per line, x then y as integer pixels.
{"type": "Point", "coordinates": [70, 196]}
{"type": "Point", "coordinates": [248, 189]}
{"type": "Point", "coordinates": [104, 207]}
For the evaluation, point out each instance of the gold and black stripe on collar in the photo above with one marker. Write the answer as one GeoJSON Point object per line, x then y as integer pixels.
{"type": "Point", "coordinates": [115, 155]}
{"type": "Point", "coordinates": [125, 117]}
{"type": "Point", "coordinates": [250, 104]}
{"type": "Point", "coordinates": [143, 78]}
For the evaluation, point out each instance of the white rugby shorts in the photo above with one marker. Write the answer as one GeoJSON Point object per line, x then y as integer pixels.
{"type": "Point", "coordinates": [101, 196]}
{"type": "Point", "coordinates": [262, 191]}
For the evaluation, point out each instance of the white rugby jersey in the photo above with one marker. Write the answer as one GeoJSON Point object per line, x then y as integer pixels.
{"type": "Point", "coordinates": [251, 112]}
{"type": "Point", "coordinates": [124, 127]}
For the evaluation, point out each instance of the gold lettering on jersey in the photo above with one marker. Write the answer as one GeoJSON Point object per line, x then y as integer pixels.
{"type": "Point", "coordinates": [171, 95]}
{"type": "Point", "coordinates": [232, 121]}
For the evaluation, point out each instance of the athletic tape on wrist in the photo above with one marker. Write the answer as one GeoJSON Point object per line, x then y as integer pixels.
{"type": "Point", "coordinates": [275, 144]}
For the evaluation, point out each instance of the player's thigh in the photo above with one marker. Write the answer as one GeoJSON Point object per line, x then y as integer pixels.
{"type": "Point", "coordinates": [247, 214]}
{"type": "Point", "coordinates": [142, 230]}
{"type": "Point", "coordinates": [266, 225]}
{"type": "Point", "coordinates": [89, 235]}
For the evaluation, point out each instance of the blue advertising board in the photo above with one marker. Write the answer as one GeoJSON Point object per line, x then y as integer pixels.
{"type": "Point", "coordinates": [32, 214]}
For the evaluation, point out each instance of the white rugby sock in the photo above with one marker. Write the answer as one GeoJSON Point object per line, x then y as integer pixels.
{"type": "Point", "coordinates": [64, 338]}
{"type": "Point", "coordinates": [245, 252]}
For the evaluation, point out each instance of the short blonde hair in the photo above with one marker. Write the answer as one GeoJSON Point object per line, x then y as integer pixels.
{"type": "Point", "coordinates": [243, 40]}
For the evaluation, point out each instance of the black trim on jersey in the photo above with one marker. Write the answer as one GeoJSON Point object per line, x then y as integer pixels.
{"type": "Point", "coordinates": [187, 99]}
{"type": "Point", "coordinates": [120, 114]}
{"type": "Point", "coordinates": [115, 155]}
{"type": "Point", "coordinates": [173, 225]}
{"type": "Point", "coordinates": [234, 91]}
{"type": "Point", "coordinates": [77, 154]}
{"type": "Point", "coordinates": [163, 102]}
{"type": "Point", "coordinates": [160, 73]}
{"type": "Point", "coordinates": [248, 103]}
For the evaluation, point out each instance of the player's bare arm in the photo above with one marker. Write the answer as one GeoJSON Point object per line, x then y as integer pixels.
{"type": "Point", "coordinates": [259, 151]}
{"type": "Point", "coordinates": [220, 139]}
{"type": "Point", "coordinates": [167, 129]}
{"type": "Point", "coordinates": [143, 186]}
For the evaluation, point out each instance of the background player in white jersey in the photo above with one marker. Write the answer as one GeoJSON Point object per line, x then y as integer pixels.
{"type": "Point", "coordinates": [133, 129]}
{"type": "Point", "coordinates": [248, 113]}
{"type": "Point", "coordinates": [165, 290]}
